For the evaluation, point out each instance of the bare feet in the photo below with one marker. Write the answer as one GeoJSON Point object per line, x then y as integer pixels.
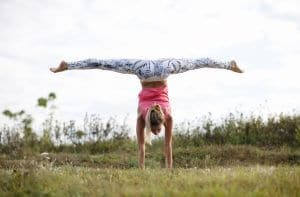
{"type": "Point", "coordinates": [235, 68]}
{"type": "Point", "coordinates": [62, 66]}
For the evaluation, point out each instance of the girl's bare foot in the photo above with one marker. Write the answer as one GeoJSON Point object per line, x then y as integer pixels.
{"type": "Point", "coordinates": [235, 68]}
{"type": "Point", "coordinates": [62, 66]}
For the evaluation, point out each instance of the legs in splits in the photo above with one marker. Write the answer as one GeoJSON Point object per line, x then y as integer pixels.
{"type": "Point", "coordinates": [147, 68]}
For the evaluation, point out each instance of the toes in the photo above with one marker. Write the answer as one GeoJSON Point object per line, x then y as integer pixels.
{"type": "Point", "coordinates": [239, 70]}
{"type": "Point", "coordinates": [53, 70]}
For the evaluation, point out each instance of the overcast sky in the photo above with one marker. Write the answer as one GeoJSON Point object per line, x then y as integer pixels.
{"type": "Point", "coordinates": [262, 36]}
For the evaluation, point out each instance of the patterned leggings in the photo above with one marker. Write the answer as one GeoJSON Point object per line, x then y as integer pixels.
{"type": "Point", "coordinates": [149, 70]}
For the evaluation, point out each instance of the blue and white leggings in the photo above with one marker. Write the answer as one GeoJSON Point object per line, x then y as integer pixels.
{"type": "Point", "coordinates": [149, 70]}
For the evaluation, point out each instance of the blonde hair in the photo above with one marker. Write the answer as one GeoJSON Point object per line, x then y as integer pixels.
{"type": "Point", "coordinates": [154, 117]}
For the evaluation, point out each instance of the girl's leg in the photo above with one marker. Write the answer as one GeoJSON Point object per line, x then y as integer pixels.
{"type": "Point", "coordinates": [182, 65]}
{"type": "Point", "coordinates": [118, 65]}
{"type": "Point", "coordinates": [126, 66]}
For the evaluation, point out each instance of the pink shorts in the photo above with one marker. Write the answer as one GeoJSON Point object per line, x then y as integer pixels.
{"type": "Point", "coordinates": [149, 96]}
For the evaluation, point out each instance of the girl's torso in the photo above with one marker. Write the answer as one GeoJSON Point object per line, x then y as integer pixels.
{"type": "Point", "coordinates": [154, 92]}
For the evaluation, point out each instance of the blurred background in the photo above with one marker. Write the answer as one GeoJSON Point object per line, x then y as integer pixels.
{"type": "Point", "coordinates": [262, 36]}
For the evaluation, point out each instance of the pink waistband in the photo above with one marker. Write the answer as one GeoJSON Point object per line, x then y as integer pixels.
{"type": "Point", "coordinates": [149, 96]}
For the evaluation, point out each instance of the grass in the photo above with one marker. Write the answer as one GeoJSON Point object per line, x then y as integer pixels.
{"type": "Point", "coordinates": [210, 170]}
{"type": "Point", "coordinates": [188, 157]}
{"type": "Point", "coordinates": [254, 180]}
{"type": "Point", "coordinates": [241, 156]}
{"type": "Point", "coordinates": [198, 171]}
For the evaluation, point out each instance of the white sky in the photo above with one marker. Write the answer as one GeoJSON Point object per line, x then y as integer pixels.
{"type": "Point", "coordinates": [262, 36]}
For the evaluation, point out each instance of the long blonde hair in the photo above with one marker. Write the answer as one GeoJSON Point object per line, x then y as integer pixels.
{"type": "Point", "coordinates": [154, 117]}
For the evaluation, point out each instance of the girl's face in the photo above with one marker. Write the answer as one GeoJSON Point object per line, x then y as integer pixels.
{"type": "Point", "coordinates": [156, 129]}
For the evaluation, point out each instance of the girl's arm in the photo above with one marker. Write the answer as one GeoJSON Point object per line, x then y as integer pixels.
{"type": "Point", "coordinates": [168, 142]}
{"type": "Point", "coordinates": [140, 133]}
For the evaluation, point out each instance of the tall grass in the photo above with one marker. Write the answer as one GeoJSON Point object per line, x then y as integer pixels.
{"type": "Point", "coordinates": [97, 136]}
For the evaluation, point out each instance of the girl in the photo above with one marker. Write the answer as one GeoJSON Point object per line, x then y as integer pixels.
{"type": "Point", "coordinates": [153, 108]}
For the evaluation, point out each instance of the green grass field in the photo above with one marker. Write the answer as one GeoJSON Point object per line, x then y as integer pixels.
{"type": "Point", "coordinates": [198, 171]}
{"type": "Point", "coordinates": [256, 180]}
{"type": "Point", "coordinates": [241, 156]}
